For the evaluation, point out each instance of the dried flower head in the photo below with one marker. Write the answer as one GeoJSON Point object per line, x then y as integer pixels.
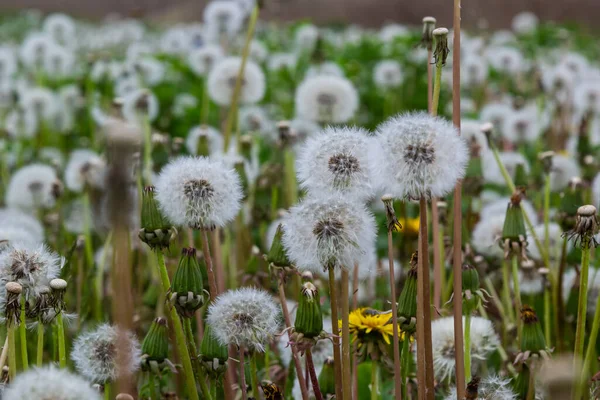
{"type": "Point", "coordinates": [329, 232]}
{"type": "Point", "coordinates": [326, 99]}
{"type": "Point", "coordinates": [421, 156]}
{"type": "Point", "coordinates": [30, 265]}
{"type": "Point", "coordinates": [246, 317]}
{"type": "Point", "coordinates": [49, 383]}
{"type": "Point", "coordinates": [198, 192]}
{"type": "Point", "coordinates": [95, 354]}
{"type": "Point", "coordinates": [222, 80]}
{"type": "Point", "coordinates": [33, 187]}
{"type": "Point", "coordinates": [586, 227]}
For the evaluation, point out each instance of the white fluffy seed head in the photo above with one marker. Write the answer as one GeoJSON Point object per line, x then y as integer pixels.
{"type": "Point", "coordinates": [13, 217]}
{"type": "Point", "coordinates": [492, 387]}
{"type": "Point", "coordinates": [522, 126]}
{"type": "Point", "coordinates": [564, 168]}
{"type": "Point", "coordinates": [255, 120]}
{"type": "Point", "coordinates": [85, 168]}
{"type": "Point", "coordinates": [33, 187]}
{"type": "Point", "coordinates": [507, 60]}
{"type": "Point", "coordinates": [486, 235]}
{"type": "Point", "coordinates": [470, 129]}
{"type": "Point", "coordinates": [496, 113]}
{"type": "Point", "coordinates": [326, 68]}
{"type": "Point", "coordinates": [474, 70]}
{"type": "Point", "coordinates": [222, 80]}
{"type": "Point", "coordinates": [338, 161]}
{"type": "Point", "coordinates": [40, 100]}
{"type": "Point", "coordinates": [198, 192]}
{"type": "Point", "coordinates": [203, 59]}
{"type": "Point", "coordinates": [49, 382]}
{"type": "Point", "coordinates": [586, 97]}
{"type": "Point", "coordinates": [32, 265]}
{"type": "Point", "coordinates": [139, 104]}
{"type": "Point", "coordinates": [223, 18]}
{"type": "Point", "coordinates": [421, 156]}
{"type": "Point", "coordinates": [323, 232]}
{"type": "Point", "coordinates": [492, 173]}
{"type": "Point", "coordinates": [525, 22]}
{"type": "Point", "coordinates": [388, 74]}
{"type": "Point", "coordinates": [95, 354]}
{"type": "Point", "coordinates": [213, 137]}
{"type": "Point", "coordinates": [326, 99]}
{"type": "Point", "coordinates": [306, 37]}
{"type": "Point", "coordinates": [246, 317]}
{"type": "Point", "coordinates": [280, 61]}
{"type": "Point", "coordinates": [484, 341]}
{"type": "Point", "coordinates": [33, 49]}
{"type": "Point", "coordinates": [21, 123]}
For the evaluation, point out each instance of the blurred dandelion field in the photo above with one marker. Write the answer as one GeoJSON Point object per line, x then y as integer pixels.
{"type": "Point", "coordinates": [242, 209]}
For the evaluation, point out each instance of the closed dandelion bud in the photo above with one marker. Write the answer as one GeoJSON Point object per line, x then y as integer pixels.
{"type": "Point", "coordinates": [327, 378]}
{"type": "Point", "coordinates": [156, 231]}
{"type": "Point", "coordinates": [155, 347]}
{"type": "Point", "coordinates": [533, 342]}
{"type": "Point", "coordinates": [213, 354]}
{"type": "Point", "coordinates": [514, 235]}
{"type": "Point", "coordinates": [187, 289]}
{"type": "Point", "coordinates": [309, 320]}
{"type": "Point", "coordinates": [407, 303]}
{"type": "Point", "coordinates": [277, 255]}
{"type": "Point", "coordinates": [427, 37]}
{"type": "Point", "coordinates": [570, 201]}
{"type": "Point", "coordinates": [520, 176]}
{"type": "Point", "coordinates": [471, 290]}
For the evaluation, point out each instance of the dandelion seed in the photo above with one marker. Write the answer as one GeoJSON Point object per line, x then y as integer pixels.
{"type": "Point", "coordinates": [222, 80]}
{"type": "Point", "coordinates": [326, 99]}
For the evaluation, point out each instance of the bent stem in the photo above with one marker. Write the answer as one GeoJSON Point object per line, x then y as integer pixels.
{"type": "Point", "coordinates": [397, 368]}
{"type": "Point", "coordinates": [582, 313]}
{"type": "Point", "coordinates": [346, 371]}
{"type": "Point", "coordinates": [335, 330]}
{"type": "Point", "coordinates": [23, 335]}
{"type": "Point", "coordinates": [178, 329]}
{"type": "Point", "coordinates": [40, 344]}
{"type": "Point", "coordinates": [313, 375]}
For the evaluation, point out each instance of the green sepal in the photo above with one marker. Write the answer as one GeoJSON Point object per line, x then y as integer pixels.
{"type": "Point", "coordinates": [277, 255]}
{"type": "Point", "coordinates": [514, 224]}
{"type": "Point", "coordinates": [213, 354]}
{"type": "Point", "coordinates": [156, 343]}
{"type": "Point", "coordinates": [327, 378]}
{"type": "Point", "coordinates": [309, 319]}
{"type": "Point", "coordinates": [407, 303]}
{"type": "Point", "coordinates": [187, 289]}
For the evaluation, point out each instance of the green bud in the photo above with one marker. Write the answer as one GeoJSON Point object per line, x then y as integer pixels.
{"type": "Point", "coordinates": [327, 378]}
{"type": "Point", "coordinates": [309, 320]}
{"type": "Point", "coordinates": [277, 255]}
{"type": "Point", "coordinates": [521, 179]}
{"type": "Point", "coordinates": [407, 302]}
{"type": "Point", "coordinates": [187, 288]}
{"type": "Point", "coordinates": [156, 343]}
{"type": "Point", "coordinates": [213, 354]}
{"type": "Point", "coordinates": [532, 338]}
{"type": "Point", "coordinates": [156, 231]}
{"type": "Point", "coordinates": [514, 223]}
{"type": "Point", "coordinates": [470, 286]}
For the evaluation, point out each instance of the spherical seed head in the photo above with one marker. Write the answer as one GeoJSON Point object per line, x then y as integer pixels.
{"type": "Point", "coordinates": [222, 80]}
{"type": "Point", "coordinates": [586, 211]}
{"type": "Point", "coordinates": [30, 265]}
{"type": "Point", "coordinates": [440, 32]}
{"type": "Point", "coordinates": [58, 284]}
{"type": "Point", "coordinates": [327, 99]}
{"type": "Point", "coordinates": [14, 287]}
{"type": "Point", "coordinates": [85, 169]}
{"type": "Point", "coordinates": [33, 187]}
{"type": "Point", "coordinates": [307, 276]}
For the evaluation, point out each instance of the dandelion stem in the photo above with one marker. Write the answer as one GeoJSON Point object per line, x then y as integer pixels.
{"type": "Point", "coordinates": [23, 335]}
{"type": "Point", "coordinates": [531, 384]}
{"type": "Point", "coordinates": [178, 330]}
{"type": "Point", "coordinates": [517, 290]}
{"type": "Point", "coordinates": [406, 358]}
{"type": "Point", "coordinates": [591, 349]}
{"type": "Point", "coordinates": [152, 384]}
{"type": "Point", "coordinates": [468, 346]}
{"type": "Point", "coordinates": [506, 297]}
{"type": "Point", "coordinates": [99, 281]}
{"type": "Point", "coordinates": [40, 344]}
{"type": "Point", "coordinates": [243, 373]}
{"type": "Point", "coordinates": [205, 103]}
{"type": "Point", "coordinates": [147, 150]}
{"type": "Point", "coordinates": [346, 365]}
{"type": "Point", "coordinates": [558, 302]}
{"type": "Point", "coordinates": [397, 368]}
{"type": "Point", "coordinates": [291, 191]}
{"type": "Point", "coordinates": [254, 375]}
{"type": "Point", "coordinates": [232, 114]}
{"type": "Point", "coordinates": [313, 375]}
{"type": "Point", "coordinates": [288, 324]}
{"type": "Point", "coordinates": [581, 313]}
{"type": "Point", "coordinates": [198, 371]}
{"type": "Point", "coordinates": [107, 391]}
{"type": "Point", "coordinates": [62, 350]}
{"type": "Point", "coordinates": [12, 351]}
{"type": "Point", "coordinates": [212, 282]}
{"type": "Point", "coordinates": [547, 316]}
{"type": "Point", "coordinates": [335, 330]}
{"type": "Point", "coordinates": [4, 354]}
{"type": "Point", "coordinates": [374, 380]}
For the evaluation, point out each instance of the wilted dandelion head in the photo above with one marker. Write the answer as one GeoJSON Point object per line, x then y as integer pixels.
{"type": "Point", "coordinates": [203, 59]}
{"type": "Point", "coordinates": [327, 232]}
{"type": "Point", "coordinates": [32, 265]}
{"type": "Point", "coordinates": [198, 192]}
{"type": "Point", "coordinates": [338, 161]}
{"type": "Point", "coordinates": [49, 382]}
{"type": "Point", "coordinates": [213, 138]}
{"type": "Point", "coordinates": [388, 74]}
{"type": "Point", "coordinates": [421, 156]}
{"type": "Point", "coordinates": [95, 354]}
{"type": "Point", "coordinates": [246, 317]}
{"type": "Point", "coordinates": [325, 99]}
{"type": "Point", "coordinates": [492, 387]}
{"type": "Point", "coordinates": [85, 168]}
{"type": "Point", "coordinates": [484, 341]}
{"type": "Point", "coordinates": [222, 80]}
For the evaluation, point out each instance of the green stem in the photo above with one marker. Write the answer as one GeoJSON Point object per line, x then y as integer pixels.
{"type": "Point", "coordinates": [232, 114]}
{"type": "Point", "coordinates": [178, 329]}
{"type": "Point", "coordinates": [291, 186]}
{"type": "Point", "coordinates": [515, 276]}
{"type": "Point", "coordinates": [582, 312]}
{"type": "Point", "coordinates": [468, 347]}
{"type": "Point", "coordinates": [345, 309]}
{"type": "Point", "coordinates": [152, 384]}
{"type": "Point", "coordinates": [436, 88]}
{"type": "Point", "coordinates": [107, 391]}
{"type": "Point", "coordinates": [147, 150]}
{"type": "Point", "coordinates": [406, 358]}
{"type": "Point", "coordinates": [99, 279]}
{"type": "Point", "coordinates": [335, 329]}
{"type": "Point", "coordinates": [547, 212]}
{"type": "Point", "coordinates": [198, 371]}
{"type": "Point", "coordinates": [12, 351]}
{"type": "Point", "coordinates": [62, 352]}
{"type": "Point", "coordinates": [205, 103]}
{"type": "Point", "coordinates": [506, 297]}
{"type": "Point", "coordinates": [40, 344]}
{"type": "Point", "coordinates": [591, 349]}
{"type": "Point", "coordinates": [23, 335]}
{"type": "Point", "coordinates": [254, 375]}
{"type": "Point", "coordinates": [547, 317]}
{"type": "Point", "coordinates": [374, 380]}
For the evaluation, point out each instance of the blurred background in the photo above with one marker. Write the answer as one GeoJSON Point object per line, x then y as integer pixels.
{"type": "Point", "coordinates": [495, 14]}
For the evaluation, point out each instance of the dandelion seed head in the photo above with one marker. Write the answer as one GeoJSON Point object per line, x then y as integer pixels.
{"type": "Point", "coordinates": [255, 120]}
{"type": "Point", "coordinates": [306, 37]}
{"type": "Point", "coordinates": [222, 80]}
{"type": "Point", "coordinates": [556, 241]}
{"type": "Point", "coordinates": [41, 101]}
{"type": "Point", "coordinates": [59, 61]}
{"type": "Point", "coordinates": [324, 99]}
{"type": "Point", "coordinates": [470, 129]}
{"type": "Point", "coordinates": [95, 354]}
{"type": "Point", "coordinates": [85, 168]}
{"type": "Point", "coordinates": [391, 32]}
{"type": "Point", "coordinates": [223, 18]}
{"type": "Point", "coordinates": [421, 156]}
{"type": "Point", "coordinates": [281, 61]}
{"type": "Point", "coordinates": [8, 62]}
{"type": "Point", "coordinates": [486, 234]}
{"type": "Point", "coordinates": [49, 382]}
{"type": "Point", "coordinates": [203, 59]}
{"type": "Point", "coordinates": [198, 192]}
{"type": "Point", "coordinates": [34, 48]}
{"type": "Point", "coordinates": [496, 113]}
{"type": "Point", "coordinates": [247, 317]}
{"type": "Point", "coordinates": [12, 217]}
{"type": "Point", "coordinates": [139, 104]}
{"type": "Point", "coordinates": [32, 265]}
{"type": "Point", "coordinates": [388, 74]}
{"type": "Point", "coordinates": [507, 60]}
{"type": "Point", "coordinates": [326, 68]}
{"type": "Point", "coordinates": [492, 387]}
{"type": "Point", "coordinates": [21, 123]}
{"type": "Point", "coordinates": [213, 137]}
{"type": "Point", "coordinates": [522, 126]}
{"type": "Point", "coordinates": [525, 23]}
{"type": "Point", "coordinates": [32, 187]}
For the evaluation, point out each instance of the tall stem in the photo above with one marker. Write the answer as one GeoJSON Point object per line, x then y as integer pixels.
{"type": "Point", "coordinates": [232, 114]}
{"type": "Point", "coordinates": [581, 311]}
{"type": "Point", "coordinates": [212, 281]}
{"type": "Point", "coordinates": [468, 347]}
{"type": "Point", "coordinates": [23, 335]}
{"type": "Point", "coordinates": [547, 316]}
{"type": "Point", "coordinates": [291, 186]}
{"type": "Point", "coordinates": [335, 330]}
{"type": "Point", "coordinates": [310, 365]}
{"type": "Point", "coordinates": [187, 322]}
{"type": "Point", "coordinates": [288, 324]}
{"type": "Point", "coordinates": [147, 173]}
{"type": "Point", "coordinates": [62, 350]}
{"type": "Point", "coordinates": [397, 368]}
{"type": "Point", "coordinates": [406, 359]}
{"type": "Point", "coordinates": [184, 355]}
{"type": "Point", "coordinates": [506, 297]}
{"type": "Point", "coordinates": [374, 380]}
{"type": "Point", "coordinates": [517, 290]}
{"type": "Point", "coordinates": [254, 375]}
{"type": "Point", "coordinates": [40, 344]}
{"type": "Point", "coordinates": [243, 374]}
{"type": "Point", "coordinates": [591, 349]}
{"type": "Point", "coordinates": [12, 351]}
{"type": "Point", "coordinates": [346, 367]}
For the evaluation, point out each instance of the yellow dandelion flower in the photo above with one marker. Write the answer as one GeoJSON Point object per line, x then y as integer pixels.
{"type": "Point", "coordinates": [369, 325]}
{"type": "Point", "coordinates": [410, 225]}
